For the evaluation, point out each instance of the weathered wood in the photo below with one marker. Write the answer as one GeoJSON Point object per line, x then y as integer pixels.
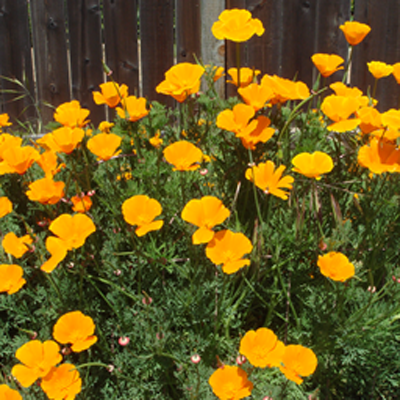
{"type": "Point", "coordinates": [121, 46]}
{"type": "Point", "coordinates": [84, 22]}
{"type": "Point", "coordinates": [157, 41]}
{"type": "Point", "coordinates": [50, 54]}
{"type": "Point", "coordinates": [15, 53]}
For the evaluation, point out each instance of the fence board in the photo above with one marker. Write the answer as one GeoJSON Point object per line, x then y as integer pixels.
{"type": "Point", "coordinates": [84, 19]}
{"type": "Point", "coordinates": [120, 38]}
{"type": "Point", "coordinates": [157, 41]}
{"type": "Point", "coordinates": [15, 53]}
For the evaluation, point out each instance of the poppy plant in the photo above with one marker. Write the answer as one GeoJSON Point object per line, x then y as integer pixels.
{"type": "Point", "coordinates": [81, 204]}
{"type": "Point", "coordinates": [111, 94]}
{"type": "Point", "coordinates": [46, 191]}
{"type": "Point", "coordinates": [37, 360]}
{"type": "Point", "coordinates": [228, 248]}
{"type": "Point", "coordinates": [354, 32]}
{"type": "Point", "coordinates": [312, 165]}
{"type": "Point", "coordinates": [205, 213]}
{"type": "Point", "coordinates": [62, 382]}
{"type": "Point", "coordinates": [183, 155]}
{"type": "Point", "coordinates": [104, 145]}
{"type": "Point", "coordinates": [379, 69]}
{"type": "Point", "coordinates": [327, 64]}
{"type": "Point", "coordinates": [237, 120]}
{"type": "Point", "coordinates": [269, 179]}
{"type": "Point", "coordinates": [237, 25]}
{"type": "Point", "coordinates": [134, 108]}
{"type": "Point", "coordinates": [247, 76]}
{"type": "Point", "coordinates": [77, 329]}
{"type": "Point", "coordinates": [5, 206]}
{"type": "Point", "coordinates": [336, 266]}
{"type": "Point", "coordinates": [298, 361]}
{"type": "Point", "coordinates": [6, 393]}
{"type": "Point", "coordinates": [262, 348]}
{"type": "Point", "coordinates": [11, 280]}
{"type": "Point", "coordinates": [141, 210]}
{"type": "Point", "coordinates": [230, 383]}
{"type": "Point", "coordinates": [181, 80]}
{"type": "Point", "coordinates": [71, 114]}
{"type": "Point", "coordinates": [16, 246]}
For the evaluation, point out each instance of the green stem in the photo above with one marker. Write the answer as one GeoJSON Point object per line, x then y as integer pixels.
{"type": "Point", "coordinates": [348, 64]}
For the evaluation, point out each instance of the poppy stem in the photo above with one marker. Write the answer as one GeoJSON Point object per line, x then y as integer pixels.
{"type": "Point", "coordinates": [348, 65]}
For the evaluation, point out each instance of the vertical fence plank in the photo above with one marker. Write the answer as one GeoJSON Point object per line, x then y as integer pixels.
{"type": "Point", "coordinates": [157, 41]}
{"type": "Point", "coordinates": [50, 54]}
{"type": "Point", "coordinates": [121, 46]}
{"type": "Point", "coordinates": [381, 44]}
{"type": "Point", "coordinates": [84, 21]}
{"type": "Point", "coordinates": [15, 53]}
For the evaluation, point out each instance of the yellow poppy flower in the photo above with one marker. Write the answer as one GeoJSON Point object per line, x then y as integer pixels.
{"type": "Point", "coordinates": [11, 280]}
{"type": "Point", "coordinates": [5, 206]}
{"type": "Point", "coordinates": [71, 114]}
{"type": "Point", "coordinates": [46, 191]}
{"type": "Point", "coordinates": [134, 108]}
{"type": "Point", "coordinates": [104, 145]}
{"type": "Point", "coordinates": [327, 64]}
{"type": "Point", "coordinates": [336, 266]}
{"type": "Point", "coordinates": [6, 393]}
{"type": "Point", "coordinates": [247, 76]}
{"type": "Point", "coordinates": [16, 246]}
{"type": "Point", "coordinates": [111, 94]}
{"type": "Point", "coordinates": [183, 155]}
{"type": "Point", "coordinates": [354, 32]}
{"type": "Point", "coordinates": [312, 165]}
{"type": "Point", "coordinates": [379, 69]}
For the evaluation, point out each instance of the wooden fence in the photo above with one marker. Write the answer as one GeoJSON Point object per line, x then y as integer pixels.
{"type": "Point", "coordinates": [56, 47]}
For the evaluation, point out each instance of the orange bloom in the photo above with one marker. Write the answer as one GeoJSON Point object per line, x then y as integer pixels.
{"type": "Point", "coordinates": [339, 109]}
{"type": "Point", "coordinates": [370, 119]}
{"type": "Point", "coordinates": [256, 95]}
{"type": "Point", "coordinates": [327, 64]}
{"type": "Point", "coordinates": [183, 155]}
{"type": "Point", "coordinates": [16, 246]}
{"type": "Point", "coordinates": [156, 141]}
{"type": "Point", "coordinates": [298, 361]}
{"type": "Point", "coordinates": [81, 204]}
{"type": "Point", "coordinates": [77, 329]}
{"type": "Point", "coordinates": [216, 72]}
{"type": "Point", "coordinates": [46, 191]}
{"type": "Point", "coordinates": [6, 393]}
{"type": "Point", "coordinates": [204, 213]}
{"type": "Point", "coordinates": [312, 165]}
{"type": "Point", "coordinates": [5, 206]}
{"type": "Point", "coordinates": [4, 120]}
{"type": "Point", "coordinates": [379, 69]}
{"type": "Point", "coordinates": [105, 126]}
{"type": "Point", "coordinates": [49, 164]}
{"type": "Point", "coordinates": [7, 141]}
{"type": "Point", "coordinates": [181, 80]}
{"type": "Point", "coordinates": [237, 25]}
{"type": "Point", "coordinates": [228, 248]}
{"type": "Point", "coordinates": [111, 94]}
{"type": "Point", "coordinates": [261, 134]}
{"type": "Point", "coordinates": [63, 140]}
{"type": "Point", "coordinates": [58, 250]}
{"type": "Point", "coordinates": [247, 76]}
{"type": "Point", "coordinates": [237, 120]}
{"type": "Point", "coordinates": [336, 266]}
{"type": "Point", "coordinates": [11, 278]}
{"type": "Point", "coordinates": [262, 348]}
{"type": "Point", "coordinates": [62, 382]}
{"type": "Point", "coordinates": [37, 359]}
{"type": "Point", "coordinates": [354, 32]}
{"type": "Point", "coordinates": [141, 210]}
{"type": "Point", "coordinates": [71, 114]}
{"type": "Point", "coordinates": [17, 160]}
{"type": "Point", "coordinates": [134, 108]}
{"type": "Point", "coordinates": [230, 383]}
{"type": "Point", "coordinates": [396, 72]}
{"type": "Point", "coordinates": [269, 180]}
{"type": "Point", "coordinates": [285, 89]}
{"type": "Point", "coordinates": [341, 89]}
{"type": "Point", "coordinates": [104, 145]}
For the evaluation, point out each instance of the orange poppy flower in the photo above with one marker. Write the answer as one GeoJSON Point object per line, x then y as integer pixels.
{"type": "Point", "coordinates": [183, 155]}
{"type": "Point", "coordinates": [11, 279]}
{"type": "Point", "coordinates": [71, 114]}
{"type": "Point", "coordinates": [261, 134]}
{"type": "Point", "coordinates": [134, 108]}
{"type": "Point", "coordinates": [228, 248]}
{"type": "Point", "coordinates": [370, 119]}
{"type": "Point", "coordinates": [77, 329]}
{"type": "Point", "coordinates": [5, 206]}
{"type": "Point", "coordinates": [111, 94]}
{"type": "Point", "coordinates": [379, 69]}
{"type": "Point", "coordinates": [256, 95]}
{"type": "Point", "coordinates": [181, 80]}
{"type": "Point", "coordinates": [62, 140]}
{"type": "Point", "coordinates": [37, 359]}
{"type": "Point", "coordinates": [230, 383]}
{"type": "Point", "coordinates": [269, 180]}
{"type": "Point", "coordinates": [17, 160]}
{"type": "Point", "coordinates": [46, 191]}
{"type": "Point", "coordinates": [7, 141]}
{"type": "Point", "coordinates": [336, 266]}
{"type": "Point", "coordinates": [341, 89]}
{"type": "Point", "coordinates": [339, 109]}
{"type": "Point", "coordinates": [104, 145]}
{"type": "Point", "coordinates": [327, 64]}
{"type": "Point", "coordinates": [237, 120]}
{"type": "Point", "coordinates": [58, 250]}
{"type": "Point", "coordinates": [156, 141]}
{"type": "Point", "coordinates": [312, 165]}
{"type": "Point", "coordinates": [4, 120]}
{"type": "Point", "coordinates": [262, 348]}
{"type": "Point", "coordinates": [237, 25]}
{"type": "Point", "coordinates": [204, 213]}
{"type": "Point", "coordinates": [298, 361]}
{"type": "Point", "coordinates": [247, 76]}
{"type": "Point", "coordinates": [16, 246]}
{"type": "Point", "coordinates": [380, 156]}
{"type": "Point", "coordinates": [105, 126]}
{"type": "Point", "coordinates": [285, 89]}
{"type": "Point", "coordinates": [215, 71]}
{"type": "Point", "coordinates": [63, 382]}
{"type": "Point", "coordinates": [354, 32]}
{"type": "Point", "coordinates": [396, 72]}
{"type": "Point", "coordinates": [6, 393]}
{"type": "Point", "coordinates": [141, 210]}
{"type": "Point", "coordinates": [81, 204]}
{"type": "Point", "coordinates": [48, 162]}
